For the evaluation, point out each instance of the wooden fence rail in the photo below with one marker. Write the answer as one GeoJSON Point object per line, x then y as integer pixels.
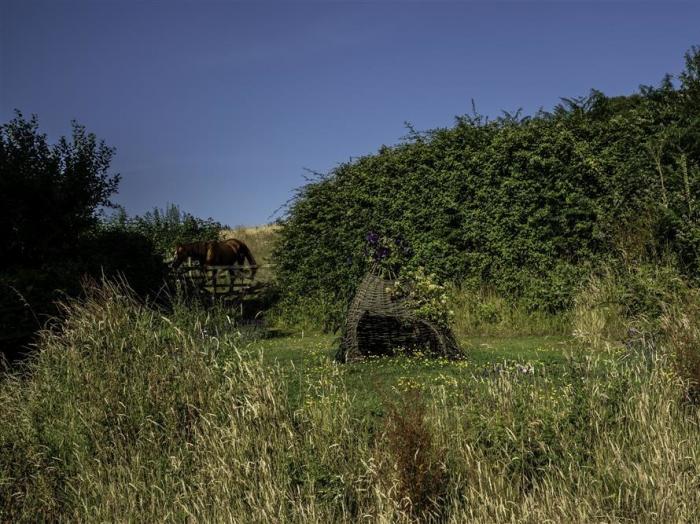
{"type": "Point", "coordinates": [225, 282]}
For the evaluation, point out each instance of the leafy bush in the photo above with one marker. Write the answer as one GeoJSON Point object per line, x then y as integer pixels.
{"type": "Point", "coordinates": [484, 312]}
{"type": "Point", "coordinates": [51, 202]}
{"type": "Point", "coordinates": [50, 195]}
{"type": "Point", "coordinates": [137, 247]}
{"type": "Point", "coordinates": [166, 228]}
{"type": "Point", "coordinates": [128, 254]}
{"type": "Point", "coordinates": [623, 299]}
{"type": "Point", "coordinates": [523, 206]}
{"type": "Point", "coordinates": [427, 297]}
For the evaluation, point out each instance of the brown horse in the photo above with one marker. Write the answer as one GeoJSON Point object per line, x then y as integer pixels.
{"type": "Point", "coordinates": [216, 253]}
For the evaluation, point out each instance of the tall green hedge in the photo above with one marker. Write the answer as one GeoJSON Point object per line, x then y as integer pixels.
{"type": "Point", "coordinates": [524, 205]}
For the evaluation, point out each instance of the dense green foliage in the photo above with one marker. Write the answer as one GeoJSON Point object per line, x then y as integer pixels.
{"type": "Point", "coordinates": [50, 201]}
{"type": "Point", "coordinates": [165, 228]}
{"type": "Point", "coordinates": [49, 194]}
{"type": "Point", "coordinates": [523, 205]}
{"type": "Point", "coordinates": [138, 247]}
{"type": "Point", "coordinates": [52, 198]}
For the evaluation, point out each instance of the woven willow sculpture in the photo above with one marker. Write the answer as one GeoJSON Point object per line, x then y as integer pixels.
{"type": "Point", "coordinates": [378, 324]}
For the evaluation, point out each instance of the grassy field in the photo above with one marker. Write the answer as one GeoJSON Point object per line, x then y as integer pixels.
{"type": "Point", "coordinates": [378, 381]}
{"type": "Point", "coordinates": [128, 414]}
{"type": "Point", "coordinates": [260, 240]}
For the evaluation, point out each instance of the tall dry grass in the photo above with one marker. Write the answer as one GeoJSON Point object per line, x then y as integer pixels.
{"type": "Point", "coordinates": [624, 302]}
{"type": "Point", "coordinates": [261, 241]}
{"type": "Point", "coordinates": [484, 312]}
{"type": "Point", "coordinates": [680, 328]}
{"type": "Point", "coordinates": [127, 415]}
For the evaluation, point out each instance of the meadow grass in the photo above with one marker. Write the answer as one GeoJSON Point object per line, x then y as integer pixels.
{"type": "Point", "coordinates": [261, 241]}
{"type": "Point", "coordinates": [483, 312]}
{"type": "Point", "coordinates": [373, 382]}
{"type": "Point", "coordinates": [128, 414]}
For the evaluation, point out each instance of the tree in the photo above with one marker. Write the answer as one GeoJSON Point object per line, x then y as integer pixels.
{"type": "Point", "coordinates": [50, 195]}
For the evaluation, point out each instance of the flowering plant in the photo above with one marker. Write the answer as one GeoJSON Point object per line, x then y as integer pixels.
{"type": "Point", "coordinates": [429, 298]}
{"type": "Point", "coordinates": [388, 254]}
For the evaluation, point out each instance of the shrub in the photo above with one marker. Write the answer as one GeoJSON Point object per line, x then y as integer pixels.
{"type": "Point", "coordinates": [122, 253]}
{"type": "Point", "coordinates": [485, 312]}
{"type": "Point", "coordinates": [524, 206]}
{"type": "Point", "coordinates": [427, 297]}
{"type": "Point", "coordinates": [619, 298]}
{"type": "Point", "coordinates": [50, 195]}
{"type": "Point", "coordinates": [165, 228]}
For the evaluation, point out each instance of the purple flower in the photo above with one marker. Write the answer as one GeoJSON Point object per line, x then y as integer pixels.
{"type": "Point", "coordinates": [372, 238]}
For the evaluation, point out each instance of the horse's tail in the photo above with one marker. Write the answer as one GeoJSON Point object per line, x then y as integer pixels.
{"type": "Point", "coordinates": [245, 250]}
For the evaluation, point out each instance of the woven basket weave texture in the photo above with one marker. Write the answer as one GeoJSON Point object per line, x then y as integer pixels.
{"type": "Point", "coordinates": [378, 323]}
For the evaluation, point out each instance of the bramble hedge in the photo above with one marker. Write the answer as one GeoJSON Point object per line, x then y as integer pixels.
{"type": "Point", "coordinates": [524, 205]}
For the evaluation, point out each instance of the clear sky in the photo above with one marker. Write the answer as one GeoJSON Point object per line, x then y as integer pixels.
{"type": "Point", "coordinates": [219, 106]}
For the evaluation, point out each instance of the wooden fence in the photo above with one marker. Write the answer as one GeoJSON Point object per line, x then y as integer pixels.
{"type": "Point", "coordinates": [224, 283]}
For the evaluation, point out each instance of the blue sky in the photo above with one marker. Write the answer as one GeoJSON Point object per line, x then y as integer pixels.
{"type": "Point", "coordinates": [220, 106]}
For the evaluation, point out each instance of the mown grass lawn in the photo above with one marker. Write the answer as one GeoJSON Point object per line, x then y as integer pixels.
{"type": "Point", "coordinates": [541, 361]}
{"type": "Point", "coordinates": [304, 350]}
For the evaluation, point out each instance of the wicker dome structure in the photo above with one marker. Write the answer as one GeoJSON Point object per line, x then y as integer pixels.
{"type": "Point", "coordinates": [378, 323]}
